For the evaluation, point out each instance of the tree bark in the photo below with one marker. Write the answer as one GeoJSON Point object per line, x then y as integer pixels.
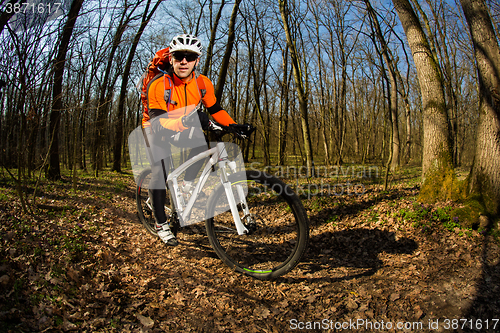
{"type": "Point", "coordinates": [437, 166]}
{"type": "Point", "coordinates": [227, 55]}
{"type": "Point", "coordinates": [210, 47]}
{"type": "Point", "coordinates": [393, 91]}
{"type": "Point", "coordinates": [302, 91]}
{"type": "Point", "coordinates": [54, 171]}
{"type": "Point", "coordinates": [117, 151]}
{"type": "Point", "coordinates": [442, 49]}
{"type": "Point", "coordinates": [106, 91]}
{"type": "Point", "coordinates": [284, 114]}
{"type": "Point", "coordinates": [485, 176]}
{"type": "Point", "coordinates": [323, 99]}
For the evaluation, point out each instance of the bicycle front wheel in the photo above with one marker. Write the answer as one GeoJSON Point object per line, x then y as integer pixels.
{"type": "Point", "coordinates": [278, 224]}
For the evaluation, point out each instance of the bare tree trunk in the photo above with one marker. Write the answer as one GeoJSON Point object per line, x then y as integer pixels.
{"type": "Point", "coordinates": [104, 96]}
{"type": "Point", "coordinates": [283, 118]}
{"type": "Point", "coordinates": [391, 66]}
{"type": "Point", "coordinates": [408, 130]}
{"type": "Point", "coordinates": [258, 72]}
{"type": "Point", "coordinates": [485, 176]}
{"type": "Point", "coordinates": [54, 171]}
{"type": "Point", "coordinates": [227, 55]}
{"type": "Point", "coordinates": [5, 16]}
{"type": "Point", "coordinates": [302, 91]}
{"type": "Point", "coordinates": [246, 112]}
{"type": "Point", "coordinates": [123, 91]}
{"type": "Point", "coordinates": [341, 105]}
{"type": "Point", "coordinates": [213, 34]}
{"type": "Point", "coordinates": [323, 99]}
{"type": "Point", "coordinates": [441, 48]}
{"type": "Point", "coordinates": [437, 166]}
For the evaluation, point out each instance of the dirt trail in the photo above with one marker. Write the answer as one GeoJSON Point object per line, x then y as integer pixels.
{"type": "Point", "coordinates": [97, 269]}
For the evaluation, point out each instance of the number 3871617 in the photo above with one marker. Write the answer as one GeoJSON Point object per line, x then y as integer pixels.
{"type": "Point", "coordinates": [26, 8]}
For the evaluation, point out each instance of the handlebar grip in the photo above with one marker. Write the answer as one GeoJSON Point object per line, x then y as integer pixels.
{"type": "Point", "coordinates": [241, 130]}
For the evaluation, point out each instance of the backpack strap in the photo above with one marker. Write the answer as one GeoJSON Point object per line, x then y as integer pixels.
{"type": "Point", "coordinates": [167, 93]}
{"type": "Point", "coordinates": [201, 85]}
{"type": "Point", "coordinates": [167, 86]}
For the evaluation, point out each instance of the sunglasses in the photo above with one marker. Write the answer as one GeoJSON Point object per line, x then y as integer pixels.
{"type": "Point", "coordinates": [179, 56]}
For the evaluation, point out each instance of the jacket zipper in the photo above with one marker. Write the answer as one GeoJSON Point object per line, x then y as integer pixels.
{"type": "Point", "coordinates": [185, 98]}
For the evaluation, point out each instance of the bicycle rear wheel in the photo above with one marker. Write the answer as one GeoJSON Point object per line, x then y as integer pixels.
{"type": "Point", "coordinates": [279, 227]}
{"type": "Point", "coordinates": [144, 205]}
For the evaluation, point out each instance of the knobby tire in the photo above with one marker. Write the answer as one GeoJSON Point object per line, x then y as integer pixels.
{"type": "Point", "coordinates": [282, 228]}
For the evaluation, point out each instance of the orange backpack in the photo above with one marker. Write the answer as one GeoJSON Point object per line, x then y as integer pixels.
{"type": "Point", "coordinates": [160, 64]}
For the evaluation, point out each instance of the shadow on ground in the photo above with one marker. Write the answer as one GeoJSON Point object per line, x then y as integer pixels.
{"type": "Point", "coordinates": [483, 314]}
{"type": "Point", "coordinates": [355, 250]}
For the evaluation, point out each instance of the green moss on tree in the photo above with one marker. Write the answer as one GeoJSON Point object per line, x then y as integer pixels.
{"type": "Point", "coordinates": [481, 186]}
{"type": "Point", "coordinates": [441, 184]}
{"type": "Point", "coordinates": [468, 215]}
{"type": "Point", "coordinates": [479, 200]}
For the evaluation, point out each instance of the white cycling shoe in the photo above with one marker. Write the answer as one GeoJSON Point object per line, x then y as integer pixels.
{"type": "Point", "coordinates": [166, 235]}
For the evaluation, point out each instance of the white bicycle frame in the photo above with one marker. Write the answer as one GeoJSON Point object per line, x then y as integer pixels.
{"type": "Point", "coordinates": [219, 155]}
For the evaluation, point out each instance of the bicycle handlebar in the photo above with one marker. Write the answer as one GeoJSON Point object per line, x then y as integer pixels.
{"type": "Point", "coordinates": [242, 131]}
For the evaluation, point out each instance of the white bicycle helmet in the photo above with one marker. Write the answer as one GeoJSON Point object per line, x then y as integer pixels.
{"type": "Point", "coordinates": [186, 42]}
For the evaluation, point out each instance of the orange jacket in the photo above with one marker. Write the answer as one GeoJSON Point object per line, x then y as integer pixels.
{"type": "Point", "coordinates": [183, 98]}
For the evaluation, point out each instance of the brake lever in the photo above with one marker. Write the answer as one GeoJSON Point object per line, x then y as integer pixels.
{"type": "Point", "coordinates": [213, 126]}
{"type": "Point", "coordinates": [243, 131]}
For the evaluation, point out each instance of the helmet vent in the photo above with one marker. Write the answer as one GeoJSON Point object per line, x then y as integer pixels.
{"type": "Point", "coordinates": [187, 43]}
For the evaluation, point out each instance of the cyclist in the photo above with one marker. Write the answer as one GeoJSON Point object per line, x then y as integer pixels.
{"type": "Point", "coordinates": [176, 122]}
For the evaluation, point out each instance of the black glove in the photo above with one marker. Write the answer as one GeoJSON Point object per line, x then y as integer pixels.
{"type": "Point", "coordinates": [196, 118]}
{"type": "Point", "coordinates": [156, 127]}
{"type": "Point", "coordinates": [157, 131]}
{"type": "Point", "coordinates": [243, 130]}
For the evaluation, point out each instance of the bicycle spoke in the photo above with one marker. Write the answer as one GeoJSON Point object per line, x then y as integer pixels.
{"type": "Point", "coordinates": [277, 239]}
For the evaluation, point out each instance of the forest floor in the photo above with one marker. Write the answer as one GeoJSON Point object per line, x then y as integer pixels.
{"type": "Point", "coordinates": [377, 261]}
